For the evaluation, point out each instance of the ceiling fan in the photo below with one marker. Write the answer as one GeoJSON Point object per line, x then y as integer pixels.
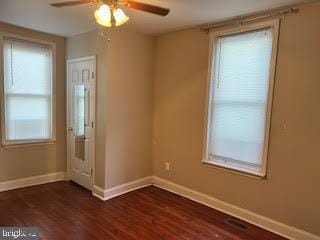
{"type": "Point", "coordinates": [109, 14]}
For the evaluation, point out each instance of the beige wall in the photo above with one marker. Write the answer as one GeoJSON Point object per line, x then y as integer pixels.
{"type": "Point", "coordinates": [124, 103]}
{"type": "Point", "coordinates": [125, 94]}
{"type": "Point", "coordinates": [291, 193]}
{"type": "Point", "coordinates": [25, 162]}
{"type": "Point", "coordinates": [129, 104]}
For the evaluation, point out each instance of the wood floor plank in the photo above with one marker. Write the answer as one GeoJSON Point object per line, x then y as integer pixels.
{"type": "Point", "coordinates": [64, 210]}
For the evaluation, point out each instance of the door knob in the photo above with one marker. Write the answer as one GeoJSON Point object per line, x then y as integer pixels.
{"type": "Point", "coordinates": [70, 129]}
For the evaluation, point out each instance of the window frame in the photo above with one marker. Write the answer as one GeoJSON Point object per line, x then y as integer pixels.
{"type": "Point", "coordinates": [22, 143]}
{"type": "Point", "coordinates": [274, 24]}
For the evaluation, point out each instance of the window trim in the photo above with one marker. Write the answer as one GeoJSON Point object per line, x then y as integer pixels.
{"type": "Point", "coordinates": [26, 143]}
{"type": "Point", "coordinates": [274, 24]}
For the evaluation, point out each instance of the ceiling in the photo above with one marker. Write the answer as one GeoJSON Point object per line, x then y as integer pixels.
{"type": "Point", "coordinates": [69, 21]}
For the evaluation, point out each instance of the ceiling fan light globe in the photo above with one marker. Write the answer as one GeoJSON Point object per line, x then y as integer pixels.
{"type": "Point", "coordinates": [103, 16]}
{"type": "Point", "coordinates": [104, 23]}
{"type": "Point", "coordinates": [120, 17]}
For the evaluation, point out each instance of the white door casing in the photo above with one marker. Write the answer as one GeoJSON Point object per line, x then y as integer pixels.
{"type": "Point", "coordinates": [81, 80]}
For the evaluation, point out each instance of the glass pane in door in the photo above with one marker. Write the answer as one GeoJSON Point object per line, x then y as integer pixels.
{"type": "Point", "coordinates": [79, 121]}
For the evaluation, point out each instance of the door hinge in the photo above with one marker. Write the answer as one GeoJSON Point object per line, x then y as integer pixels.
{"type": "Point", "coordinates": [91, 171]}
{"type": "Point", "coordinates": [92, 75]}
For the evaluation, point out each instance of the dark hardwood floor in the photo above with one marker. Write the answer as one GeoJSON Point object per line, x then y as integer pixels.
{"type": "Point", "coordinates": [65, 210]}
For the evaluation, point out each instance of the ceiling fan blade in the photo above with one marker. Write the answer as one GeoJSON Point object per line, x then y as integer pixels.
{"type": "Point", "coordinates": [147, 8]}
{"type": "Point", "coordinates": [72, 3]}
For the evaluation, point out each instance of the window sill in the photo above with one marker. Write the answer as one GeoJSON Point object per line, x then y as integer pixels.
{"type": "Point", "coordinates": [27, 144]}
{"type": "Point", "coordinates": [235, 170]}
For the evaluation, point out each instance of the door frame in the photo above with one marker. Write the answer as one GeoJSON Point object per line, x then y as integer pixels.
{"type": "Point", "coordinates": [92, 58]}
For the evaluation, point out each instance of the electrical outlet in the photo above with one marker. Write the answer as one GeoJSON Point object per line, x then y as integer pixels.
{"type": "Point", "coordinates": [167, 165]}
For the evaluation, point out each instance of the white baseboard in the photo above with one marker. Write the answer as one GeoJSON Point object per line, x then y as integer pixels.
{"type": "Point", "coordinates": [121, 189]}
{"type": "Point", "coordinates": [32, 181]}
{"type": "Point", "coordinates": [99, 192]}
{"type": "Point", "coordinates": [253, 218]}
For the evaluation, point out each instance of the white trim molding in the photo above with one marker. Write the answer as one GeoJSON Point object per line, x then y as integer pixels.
{"type": "Point", "coordinates": [28, 142]}
{"type": "Point", "coordinates": [99, 192]}
{"type": "Point", "coordinates": [269, 224]}
{"type": "Point", "coordinates": [32, 181]}
{"type": "Point", "coordinates": [284, 230]}
{"type": "Point", "coordinates": [121, 189]}
{"type": "Point", "coordinates": [222, 162]}
{"type": "Point", "coordinates": [250, 217]}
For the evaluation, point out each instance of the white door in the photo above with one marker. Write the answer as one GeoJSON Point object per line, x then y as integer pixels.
{"type": "Point", "coordinates": [81, 120]}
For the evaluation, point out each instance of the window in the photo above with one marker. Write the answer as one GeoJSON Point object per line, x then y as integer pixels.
{"type": "Point", "coordinates": [27, 89]}
{"type": "Point", "coordinates": [241, 82]}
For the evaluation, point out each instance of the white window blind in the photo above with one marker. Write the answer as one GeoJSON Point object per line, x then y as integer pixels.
{"type": "Point", "coordinates": [27, 90]}
{"type": "Point", "coordinates": [239, 99]}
